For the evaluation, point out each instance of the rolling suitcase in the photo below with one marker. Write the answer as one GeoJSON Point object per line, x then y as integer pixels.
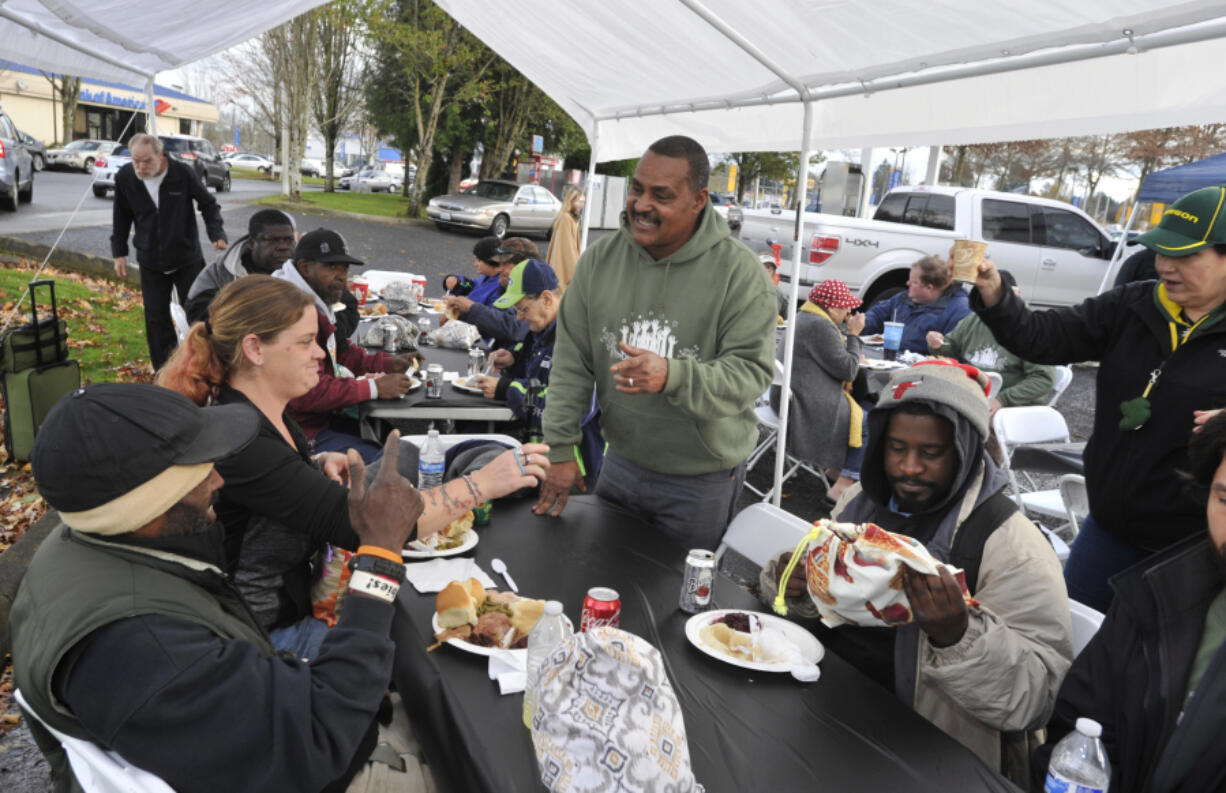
{"type": "Point", "coordinates": [36, 373]}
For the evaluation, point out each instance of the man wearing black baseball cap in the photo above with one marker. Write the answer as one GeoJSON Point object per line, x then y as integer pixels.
{"type": "Point", "coordinates": [127, 632]}
{"type": "Point", "coordinates": [494, 259]}
{"type": "Point", "coordinates": [320, 268]}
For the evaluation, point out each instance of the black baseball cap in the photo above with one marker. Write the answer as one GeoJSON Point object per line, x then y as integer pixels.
{"type": "Point", "coordinates": [489, 247]}
{"type": "Point", "coordinates": [113, 456]}
{"type": "Point", "coordinates": [324, 245]}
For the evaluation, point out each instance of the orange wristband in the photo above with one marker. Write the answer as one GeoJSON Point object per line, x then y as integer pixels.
{"type": "Point", "coordinates": [382, 553]}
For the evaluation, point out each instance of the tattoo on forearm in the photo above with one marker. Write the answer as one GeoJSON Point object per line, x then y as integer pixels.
{"type": "Point", "coordinates": [451, 503]}
{"type": "Point", "coordinates": [478, 496]}
{"type": "Point", "coordinates": [429, 494]}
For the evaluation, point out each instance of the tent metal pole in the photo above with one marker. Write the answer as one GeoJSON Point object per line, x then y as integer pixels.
{"type": "Point", "coordinates": [151, 107]}
{"type": "Point", "coordinates": [789, 335]}
{"type": "Point", "coordinates": [1119, 248]}
{"type": "Point", "coordinates": [586, 221]}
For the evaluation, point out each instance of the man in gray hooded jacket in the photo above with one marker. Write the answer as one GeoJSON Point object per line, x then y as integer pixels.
{"type": "Point", "coordinates": [987, 674]}
{"type": "Point", "coordinates": [269, 243]}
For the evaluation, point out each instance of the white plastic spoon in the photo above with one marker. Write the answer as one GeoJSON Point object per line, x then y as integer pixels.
{"type": "Point", "coordinates": [500, 567]}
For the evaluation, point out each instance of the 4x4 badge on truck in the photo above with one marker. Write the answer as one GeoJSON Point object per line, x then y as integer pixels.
{"type": "Point", "coordinates": [862, 243]}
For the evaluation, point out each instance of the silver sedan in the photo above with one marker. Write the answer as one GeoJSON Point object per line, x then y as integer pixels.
{"type": "Point", "coordinates": [497, 207]}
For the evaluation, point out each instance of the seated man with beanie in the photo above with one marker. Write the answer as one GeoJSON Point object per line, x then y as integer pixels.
{"type": "Point", "coordinates": [986, 673]}
{"type": "Point", "coordinates": [126, 632]}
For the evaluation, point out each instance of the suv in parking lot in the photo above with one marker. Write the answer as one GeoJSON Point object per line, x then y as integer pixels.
{"type": "Point", "coordinates": [16, 167]}
{"type": "Point", "coordinates": [725, 207]}
{"type": "Point", "coordinates": [200, 155]}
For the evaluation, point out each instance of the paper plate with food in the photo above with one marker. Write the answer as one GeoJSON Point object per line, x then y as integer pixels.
{"type": "Point", "coordinates": [753, 640]}
{"type": "Point", "coordinates": [875, 340]}
{"type": "Point", "coordinates": [463, 384]}
{"type": "Point", "coordinates": [483, 621]}
{"type": "Point", "coordinates": [457, 538]}
{"type": "Point", "coordinates": [882, 366]}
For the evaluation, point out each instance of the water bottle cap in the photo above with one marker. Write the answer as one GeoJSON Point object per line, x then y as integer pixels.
{"type": "Point", "coordinates": [1084, 726]}
{"type": "Point", "coordinates": [432, 434]}
{"type": "Point", "coordinates": [553, 608]}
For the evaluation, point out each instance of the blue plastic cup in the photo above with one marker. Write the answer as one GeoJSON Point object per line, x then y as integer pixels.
{"type": "Point", "coordinates": [893, 335]}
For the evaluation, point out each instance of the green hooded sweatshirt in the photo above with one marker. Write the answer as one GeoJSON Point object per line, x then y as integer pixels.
{"type": "Point", "coordinates": [708, 308]}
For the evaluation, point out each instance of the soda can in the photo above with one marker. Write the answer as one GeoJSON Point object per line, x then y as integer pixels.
{"type": "Point", "coordinates": [696, 585]}
{"type": "Point", "coordinates": [482, 513]}
{"type": "Point", "coordinates": [601, 608]}
{"type": "Point", "coordinates": [424, 325]}
{"type": "Point", "coordinates": [389, 338]}
{"type": "Point", "coordinates": [476, 363]}
{"type": "Point", "coordinates": [434, 381]}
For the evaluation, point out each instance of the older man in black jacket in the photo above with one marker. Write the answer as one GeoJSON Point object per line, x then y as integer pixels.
{"type": "Point", "coordinates": [155, 194]}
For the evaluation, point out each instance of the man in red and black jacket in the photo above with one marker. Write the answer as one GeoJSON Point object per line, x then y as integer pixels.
{"type": "Point", "coordinates": [320, 267]}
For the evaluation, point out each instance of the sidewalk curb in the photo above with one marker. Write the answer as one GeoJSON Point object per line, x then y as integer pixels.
{"type": "Point", "coordinates": [13, 250]}
{"type": "Point", "coordinates": [307, 208]}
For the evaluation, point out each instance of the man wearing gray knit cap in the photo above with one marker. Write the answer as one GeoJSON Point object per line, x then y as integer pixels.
{"type": "Point", "coordinates": [986, 673]}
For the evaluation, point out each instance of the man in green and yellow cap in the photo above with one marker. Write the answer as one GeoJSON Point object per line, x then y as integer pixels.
{"type": "Point", "coordinates": [1162, 349]}
{"type": "Point", "coordinates": [533, 292]}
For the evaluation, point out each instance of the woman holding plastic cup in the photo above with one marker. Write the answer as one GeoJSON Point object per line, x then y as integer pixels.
{"type": "Point", "coordinates": [932, 301]}
{"type": "Point", "coordinates": [1160, 346]}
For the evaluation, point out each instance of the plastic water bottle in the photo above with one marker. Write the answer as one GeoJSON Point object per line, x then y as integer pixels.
{"type": "Point", "coordinates": [430, 463]}
{"type": "Point", "coordinates": [1079, 763]}
{"type": "Point", "coordinates": [550, 631]}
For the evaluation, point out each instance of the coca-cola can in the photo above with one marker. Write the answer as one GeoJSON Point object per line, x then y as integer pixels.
{"type": "Point", "coordinates": [601, 608]}
{"type": "Point", "coordinates": [696, 585]}
{"type": "Point", "coordinates": [434, 381]}
{"type": "Point", "coordinates": [389, 338]}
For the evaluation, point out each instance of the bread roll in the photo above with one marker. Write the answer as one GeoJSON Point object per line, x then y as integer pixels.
{"type": "Point", "coordinates": [525, 613]}
{"type": "Point", "coordinates": [455, 606]}
{"type": "Point", "coordinates": [476, 591]}
{"type": "Point", "coordinates": [460, 525]}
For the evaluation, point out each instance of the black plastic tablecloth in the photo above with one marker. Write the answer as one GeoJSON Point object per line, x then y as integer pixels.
{"type": "Point", "coordinates": [748, 731]}
{"type": "Point", "coordinates": [451, 361]}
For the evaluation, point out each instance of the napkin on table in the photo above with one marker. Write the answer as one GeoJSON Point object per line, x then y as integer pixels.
{"type": "Point", "coordinates": [434, 575]}
{"type": "Point", "coordinates": [510, 670]}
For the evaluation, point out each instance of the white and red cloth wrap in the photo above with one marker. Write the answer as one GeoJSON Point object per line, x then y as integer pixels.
{"type": "Point", "coordinates": [854, 573]}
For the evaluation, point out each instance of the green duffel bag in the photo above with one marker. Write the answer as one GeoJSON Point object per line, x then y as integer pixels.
{"type": "Point", "coordinates": [29, 396]}
{"type": "Point", "coordinates": [39, 342]}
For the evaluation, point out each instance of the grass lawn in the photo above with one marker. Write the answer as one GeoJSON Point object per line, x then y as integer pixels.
{"type": "Point", "coordinates": [105, 320]}
{"type": "Point", "coordinates": [381, 204]}
{"type": "Point", "coordinates": [248, 173]}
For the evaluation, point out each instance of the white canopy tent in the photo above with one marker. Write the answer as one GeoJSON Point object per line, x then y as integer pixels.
{"type": "Point", "coordinates": [820, 74]}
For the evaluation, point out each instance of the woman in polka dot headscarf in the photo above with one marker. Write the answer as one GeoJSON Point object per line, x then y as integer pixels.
{"type": "Point", "coordinates": [827, 425]}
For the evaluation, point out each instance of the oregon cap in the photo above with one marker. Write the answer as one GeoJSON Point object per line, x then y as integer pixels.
{"type": "Point", "coordinates": [530, 277]}
{"type": "Point", "coordinates": [1195, 221]}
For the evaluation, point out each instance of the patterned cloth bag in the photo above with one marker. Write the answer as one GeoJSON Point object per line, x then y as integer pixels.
{"type": "Point", "coordinates": [607, 719]}
{"type": "Point", "coordinates": [854, 573]}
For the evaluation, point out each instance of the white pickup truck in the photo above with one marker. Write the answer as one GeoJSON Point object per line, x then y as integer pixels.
{"type": "Point", "coordinates": [1056, 252]}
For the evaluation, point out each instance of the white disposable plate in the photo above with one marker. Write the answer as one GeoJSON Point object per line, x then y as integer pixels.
{"type": "Point", "coordinates": [873, 341]}
{"type": "Point", "coordinates": [470, 542]}
{"type": "Point", "coordinates": [873, 363]}
{"type": "Point", "coordinates": [461, 384]}
{"type": "Point", "coordinates": [810, 648]}
{"type": "Point", "coordinates": [477, 649]}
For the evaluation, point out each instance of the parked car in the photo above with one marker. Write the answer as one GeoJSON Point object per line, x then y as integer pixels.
{"type": "Point", "coordinates": [37, 149]}
{"type": "Point", "coordinates": [200, 156]}
{"type": "Point", "coordinates": [309, 166]}
{"type": "Point", "coordinates": [255, 162]}
{"type": "Point", "coordinates": [105, 169]}
{"type": "Point", "coordinates": [374, 180]}
{"type": "Point", "coordinates": [1055, 251]}
{"type": "Point", "coordinates": [497, 207]}
{"type": "Point", "coordinates": [80, 154]}
{"type": "Point", "coordinates": [16, 167]}
{"type": "Point", "coordinates": [726, 208]}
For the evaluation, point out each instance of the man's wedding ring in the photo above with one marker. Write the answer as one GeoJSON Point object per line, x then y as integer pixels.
{"type": "Point", "coordinates": [632, 382]}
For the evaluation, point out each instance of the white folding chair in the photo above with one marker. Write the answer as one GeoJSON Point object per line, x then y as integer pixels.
{"type": "Point", "coordinates": [96, 769]}
{"type": "Point", "coordinates": [1031, 424]}
{"type": "Point", "coordinates": [451, 440]}
{"type": "Point", "coordinates": [995, 381]}
{"type": "Point", "coordinates": [1076, 500]}
{"type": "Point", "coordinates": [760, 531]}
{"type": "Point", "coordinates": [768, 422]}
{"type": "Point", "coordinates": [179, 317]}
{"type": "Point", "coordinates": [1086, 622]}
{"type": "Point", "coordinates": [1064, 376]}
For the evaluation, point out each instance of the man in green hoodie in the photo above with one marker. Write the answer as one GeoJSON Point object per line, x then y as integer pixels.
{"type": "Point", "coordinates": [672, 322]}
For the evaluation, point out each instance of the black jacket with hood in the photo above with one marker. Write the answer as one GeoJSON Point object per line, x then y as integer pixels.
{"type": "Point", "coordinates": [1132, 677]}
{"type": "Point", "coordinates": [1130, 474]}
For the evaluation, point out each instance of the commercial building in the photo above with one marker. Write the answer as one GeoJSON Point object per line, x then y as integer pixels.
{"type": "Point", "coordinates": [103, 109]}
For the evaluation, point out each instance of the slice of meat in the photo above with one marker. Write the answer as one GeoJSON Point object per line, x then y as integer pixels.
{"type": "Point", "coordinates": [491, 627]}
{"type": "Point", "coordinates": [461, 632]}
